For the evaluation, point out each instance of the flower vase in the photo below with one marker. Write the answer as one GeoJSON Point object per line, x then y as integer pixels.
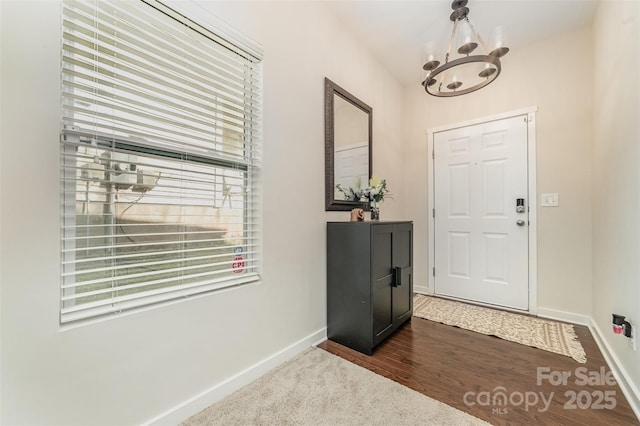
{"type": "Point", "coordinates": [375, 211]}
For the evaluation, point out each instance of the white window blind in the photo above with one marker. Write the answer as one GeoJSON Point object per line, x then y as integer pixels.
{"type": "Point", "coordinates": [159, 156]}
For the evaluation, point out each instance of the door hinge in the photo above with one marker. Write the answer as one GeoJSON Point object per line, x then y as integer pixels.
{"type": "Point", "coordinates": [433, 155]}
{"type": "Point", "coordinates": [434, 271]}
{"type": "Point", "coordinates": [433, 213]}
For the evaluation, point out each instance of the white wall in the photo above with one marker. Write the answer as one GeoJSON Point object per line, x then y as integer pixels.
{"type": "Point", "coordinates": [129, 369]}
{"type": "Point", "coordinates": [556, 76]}
{"type": "Point", "coordinates": [616, 177]}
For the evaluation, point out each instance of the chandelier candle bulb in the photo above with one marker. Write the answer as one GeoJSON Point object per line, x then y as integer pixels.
{"type": "Point", "coordinates": [487, 71]}
{"type": "Point", "coordinates": [455, 83]}
{"type": "Point", "coordinates": [498, 41]}
{"type": "Point", "coordinates": [467, 47]}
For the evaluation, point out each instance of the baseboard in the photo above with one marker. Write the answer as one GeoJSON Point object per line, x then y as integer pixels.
{"type": "Point", "coordinates": [199, 402]}
{"type": "Point", "coordinates": [421, 289]}
{"type": "Point", "coordinates": [563, 316]}
{"type": "Point", "coordinates": [629, 389]}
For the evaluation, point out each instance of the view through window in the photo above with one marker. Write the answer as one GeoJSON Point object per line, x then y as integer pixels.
{"type": "Point", "coordinates": [159, 155]}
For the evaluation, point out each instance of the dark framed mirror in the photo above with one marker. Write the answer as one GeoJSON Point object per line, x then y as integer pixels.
{"type": "Point", "coordinates": [348, 123]}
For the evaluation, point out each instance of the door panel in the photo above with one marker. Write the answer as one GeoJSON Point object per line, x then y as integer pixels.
{"type": "Point", "coordinates": [494, 197]}
{"type": "Point", "coordinates": [459, 196]}
{"type": "Point", "coordinates": [402, 258]}
{"type": "Point", "coordinates": [382, 279]}
{"type": "Point", "coordinates": [481, 253]}
{"type": "Point", "coordinates": [459, 247]}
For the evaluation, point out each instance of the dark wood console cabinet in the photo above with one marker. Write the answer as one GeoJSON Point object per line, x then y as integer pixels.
{"type": "Point", "coordinates": [369, 281]}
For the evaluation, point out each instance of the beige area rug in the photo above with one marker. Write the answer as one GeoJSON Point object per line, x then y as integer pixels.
{"type": "Point", "coordinates": [319, 388]}
{"type": "Point", "coordinates": [543, 334]}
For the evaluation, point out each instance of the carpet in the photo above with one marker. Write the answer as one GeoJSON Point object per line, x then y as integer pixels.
{"type": "Point", "coordinates": [319, 388]}
{"type": "Point", "coordinates": [543, 334]}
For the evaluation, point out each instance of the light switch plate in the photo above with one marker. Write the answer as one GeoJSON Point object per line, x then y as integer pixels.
{"type": "Point", "coordinates": [549, 200]}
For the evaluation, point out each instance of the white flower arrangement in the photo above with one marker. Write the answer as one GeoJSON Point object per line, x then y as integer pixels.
{"type": "Point", "coordinates": [374, 193]}
{"type": "Point", "coordinates": [376, 190]}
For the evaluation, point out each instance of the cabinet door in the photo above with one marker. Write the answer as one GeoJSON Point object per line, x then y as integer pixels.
{"type": "Point", "coordinates": [402, 262]}
{"type": "Point", "coordinates": [381, 273]}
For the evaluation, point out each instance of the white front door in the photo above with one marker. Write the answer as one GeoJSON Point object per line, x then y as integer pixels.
{"type": "Point", "coordinates": [481, 236]}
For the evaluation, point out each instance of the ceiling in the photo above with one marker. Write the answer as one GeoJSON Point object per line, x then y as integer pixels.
{"type": "Point", "coordinates": [398, 31]}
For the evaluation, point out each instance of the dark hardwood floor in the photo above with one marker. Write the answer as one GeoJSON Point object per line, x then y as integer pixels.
{"type": "Point", "coordinates": [471, 371]}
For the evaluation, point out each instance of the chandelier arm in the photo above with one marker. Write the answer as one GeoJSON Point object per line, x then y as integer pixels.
{"type": "Point", "coordinates": [477, 36]}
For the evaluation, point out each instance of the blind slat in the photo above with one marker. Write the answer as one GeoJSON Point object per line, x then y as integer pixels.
{"type": "Point", "coordinates": [89, 310]}
{"type": "Point", "coordinates": [229, 95]}
{"type": "Point", "coordinates": [162, 146]}
{"type": "Point", "coordinates": [172, 274]}
{"type": "Point", "coordinates": [201, 103]}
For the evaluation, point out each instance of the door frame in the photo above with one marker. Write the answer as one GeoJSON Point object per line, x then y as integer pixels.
{"type": "Point", "coordinates": [530, 115]}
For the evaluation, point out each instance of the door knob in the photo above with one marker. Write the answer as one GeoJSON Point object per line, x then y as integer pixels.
{"type": "Point", "coordinates": [520, 222]}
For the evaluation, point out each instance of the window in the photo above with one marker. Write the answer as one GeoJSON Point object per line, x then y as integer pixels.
{"type": "Point", "coordinates": [159, 158]}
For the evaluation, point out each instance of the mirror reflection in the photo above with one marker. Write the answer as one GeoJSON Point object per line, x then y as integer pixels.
{"type": "Point", "coordinates": [350, 148]}
{"type": "Point", "coordinates": [347, 147]}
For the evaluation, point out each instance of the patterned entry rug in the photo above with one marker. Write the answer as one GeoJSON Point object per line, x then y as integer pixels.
{"type": "Point", "coordinates": [544, 334]}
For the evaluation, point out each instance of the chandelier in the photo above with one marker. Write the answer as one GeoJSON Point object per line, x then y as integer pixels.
{"type": "Point", "coordinates": [466, 73]}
